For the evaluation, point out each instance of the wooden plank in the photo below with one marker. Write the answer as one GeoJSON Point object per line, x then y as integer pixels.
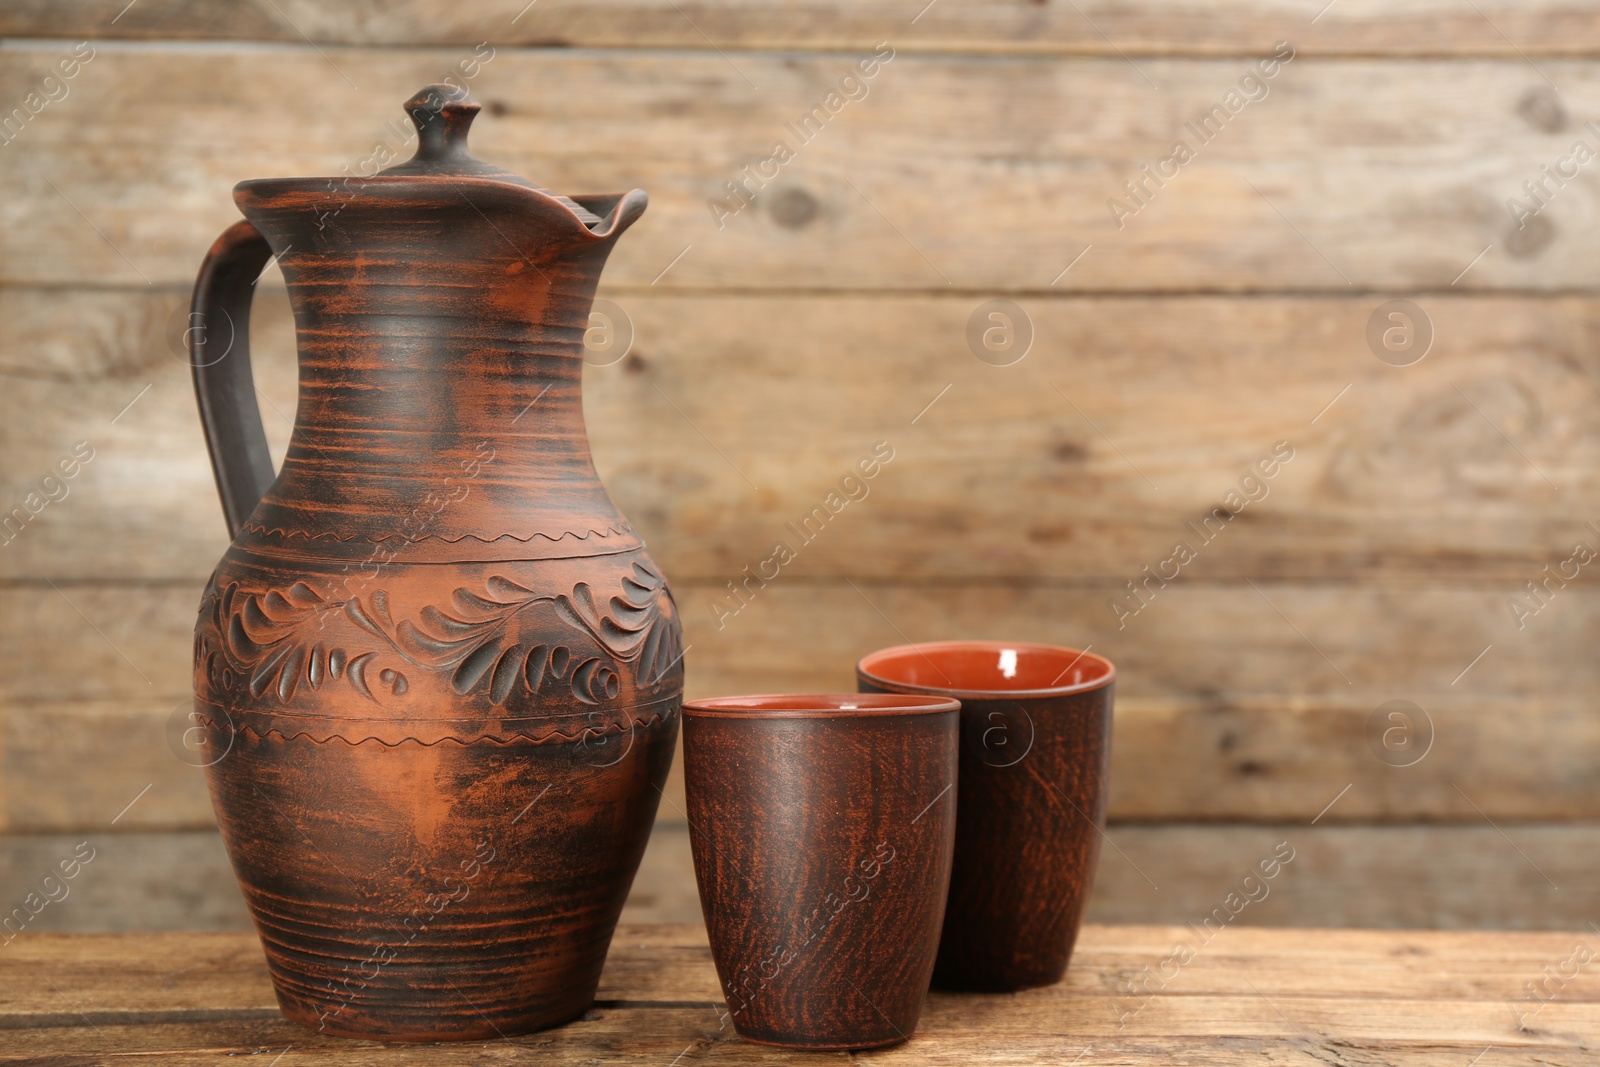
{"type": "Point", "coordinates": [658, 1036]}
{"type": "Point", "coordinates": [5, 812]}
{"type": "Point", "coordinates": [1414, 876]}
{"type": "Point", "coordinates": [1090, 27]}
{"type": "Point", "coordinates": [1212, 650]}
{"type": "Point", "coordinates": [662, 962]}
{"type": "Point", "coordinates": [124, 882]}
{"type": "Point", "coordinates": [1266, 988]}
{"type": "Point", "coordinates": [82, 765]}
{"type": "Point", "coordinates": [148, 486]}
{"type": "Point", "coordinates": [1269, 728]}
{"type": "Point", "coordinates": [916, 185]}
{"type": "Point", "coordinates": [949, 1034]}
{"type": "Point", "coordinates": [1407, 475]}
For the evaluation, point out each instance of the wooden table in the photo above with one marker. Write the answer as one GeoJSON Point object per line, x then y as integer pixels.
{"type": "Point", "coordinates": [1256, 996]}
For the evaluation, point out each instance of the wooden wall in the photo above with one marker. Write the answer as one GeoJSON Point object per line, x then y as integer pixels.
{"type": "Point", "coordinates": [1170, 353]}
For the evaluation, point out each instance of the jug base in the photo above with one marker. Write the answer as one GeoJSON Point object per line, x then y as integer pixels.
{"type": "Point", "coordinates": [399, 1024]}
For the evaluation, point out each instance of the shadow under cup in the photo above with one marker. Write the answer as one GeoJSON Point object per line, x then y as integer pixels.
{"type": "Point", "coordinates": [1035, 754]}
{"type": "Point", "coordinates": [822, 828]}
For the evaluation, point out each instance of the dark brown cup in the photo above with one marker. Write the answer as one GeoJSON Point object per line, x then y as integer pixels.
{"type": "Point", "coordinates": [1035, 750]}
{"type": "Point", "coordinates": [822, 830]}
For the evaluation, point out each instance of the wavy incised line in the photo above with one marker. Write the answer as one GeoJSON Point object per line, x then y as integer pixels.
{"type": "Point", "coordinates": [551, 737]}
{"type": "Point", "coordinates": [278, 531]}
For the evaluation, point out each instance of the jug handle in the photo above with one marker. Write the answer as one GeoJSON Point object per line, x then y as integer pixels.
{"type": "Point", "coordinates": [219, 317]}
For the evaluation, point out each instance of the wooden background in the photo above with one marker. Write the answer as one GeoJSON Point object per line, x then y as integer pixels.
{"type": "Point", "coordinates": [1226, 316]}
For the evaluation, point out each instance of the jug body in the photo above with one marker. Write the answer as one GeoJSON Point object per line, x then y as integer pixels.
{"type": "Point", "coordinates": [438, 672]}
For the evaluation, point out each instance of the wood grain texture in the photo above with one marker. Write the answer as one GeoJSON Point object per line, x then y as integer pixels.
{"type": "Point", "coordinates": [1212, 648]}
{"type": "Point", "coordinates": [1250, 997]}
{"type": "Point", "coordinates": [1401, 186]}
{"type": "Point", "coordinates": [1224, 711]}
{"type": "Point", "coordinates": [1402, 487]}
{"type": "Point", "coordinates": [1406, 876]}
{"type": "Point", "coordinates": [1415, 521]}
{"type": "Point", "coordinates": [1090, 27]}
{"type": "Point", "coordinates": [1401, 481]}
{"type": "Point", "coordinates": [1413, 876]}
{"type": "Point", "coordinates": [1425, 472]}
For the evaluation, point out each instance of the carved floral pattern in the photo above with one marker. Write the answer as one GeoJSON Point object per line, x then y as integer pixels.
{"type": "Point", "coordinates": [273, 642]}
{"type": "Point", "coordinates": [505, 640]}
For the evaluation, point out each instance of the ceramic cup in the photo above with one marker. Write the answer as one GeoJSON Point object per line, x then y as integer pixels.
{"type": "Point", "coordinates": [822, 829]}
{"type": "Point", "coordinates": [1036, 744]}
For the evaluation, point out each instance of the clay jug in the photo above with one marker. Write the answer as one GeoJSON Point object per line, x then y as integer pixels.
{"type": "Point", "coordinates": [438, 674]}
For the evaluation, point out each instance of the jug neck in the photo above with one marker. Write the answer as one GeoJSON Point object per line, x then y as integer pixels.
{"type": "Point", "coordinates": [428, 378]}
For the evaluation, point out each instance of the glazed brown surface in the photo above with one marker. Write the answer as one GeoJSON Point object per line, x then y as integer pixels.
{"type": "Point", "coordinates": [439, 672]}
{"type": "Point", "coordinates": [1034, 762]}
{"type": "Point", "coordinates": [822, 832]}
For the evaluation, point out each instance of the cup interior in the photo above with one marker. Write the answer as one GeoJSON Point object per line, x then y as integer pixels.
{"type": "Point", "coordinates": [989, 668]}
{"type": "Point", "coordinates": [820, 705]}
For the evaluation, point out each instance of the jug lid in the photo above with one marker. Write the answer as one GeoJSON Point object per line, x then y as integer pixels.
{"type": "Point", "coordinates": [443, 114]}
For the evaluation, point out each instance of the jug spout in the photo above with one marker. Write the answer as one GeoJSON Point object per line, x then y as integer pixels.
{"type": "Point", "coordinates": [299, 216]}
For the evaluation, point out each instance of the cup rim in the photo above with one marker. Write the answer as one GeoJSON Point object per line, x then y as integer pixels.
{"type": "Point", "coordinates": [821, 705]}
{"type": "Point", "coordinates": [864, 670]}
